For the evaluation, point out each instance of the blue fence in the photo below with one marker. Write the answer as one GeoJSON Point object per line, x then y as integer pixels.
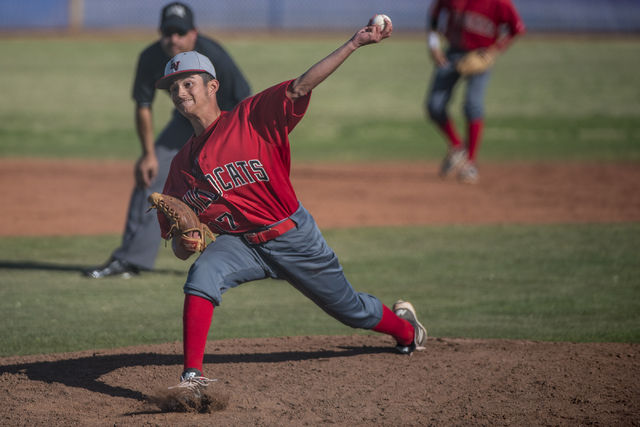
{"type": "Point", "coordinates": [407, 15]}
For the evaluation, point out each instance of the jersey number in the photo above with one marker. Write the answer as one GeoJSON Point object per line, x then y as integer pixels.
{"type": "Point", "coordinates": [226, 217]}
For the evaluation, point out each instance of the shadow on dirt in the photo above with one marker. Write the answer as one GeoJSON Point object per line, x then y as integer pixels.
{"type": "Point", "coordinates": [46, 266]}
{"type": "Point", "coordinates": [30, 265]}
{"type": "Point", "coordinates": [85, 372]}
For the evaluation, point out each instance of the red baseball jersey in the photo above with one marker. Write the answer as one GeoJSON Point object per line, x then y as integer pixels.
{"type": "Point", "coordinates": [474, 24]}
{"type": "Point", "coordinates": [235, 175]}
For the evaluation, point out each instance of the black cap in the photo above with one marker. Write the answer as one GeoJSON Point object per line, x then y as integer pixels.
{"type": "Point", "coordinates": [176, 15]}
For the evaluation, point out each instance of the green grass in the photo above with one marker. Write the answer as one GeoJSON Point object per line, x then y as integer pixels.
{"type": "Point", "coordinates": [562, 100]}
{"type": "Point", "coordinates": [554, 282]}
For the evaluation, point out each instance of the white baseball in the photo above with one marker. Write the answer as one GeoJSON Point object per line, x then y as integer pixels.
{"type": "Point", "coordinates": [379, 20]}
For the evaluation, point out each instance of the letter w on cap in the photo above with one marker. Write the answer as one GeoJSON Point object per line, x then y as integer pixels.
{"type": "Point", "coordinates": [174, 65]}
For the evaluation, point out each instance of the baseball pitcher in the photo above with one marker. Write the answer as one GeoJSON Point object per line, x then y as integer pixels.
{"type": "Point", "coordinates": [234, 175]}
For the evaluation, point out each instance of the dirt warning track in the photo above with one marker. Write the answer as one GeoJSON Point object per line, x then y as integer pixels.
{"type": "Point", "coordinates": [90, 197]}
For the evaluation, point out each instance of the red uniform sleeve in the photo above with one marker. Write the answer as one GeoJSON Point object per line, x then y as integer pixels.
{"type": "Point", "coordinates": [164, 225]}
{"type": "Point", "coordinates": [274, 115]}
{"type": "Point", "coordinates": [511, 17]}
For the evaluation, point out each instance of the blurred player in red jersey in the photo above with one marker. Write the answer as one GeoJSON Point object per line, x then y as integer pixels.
{"type": "Point", "coordinates": [470, 25]}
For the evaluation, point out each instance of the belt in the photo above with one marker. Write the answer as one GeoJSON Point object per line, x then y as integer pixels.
{"type": "Point", "coordinates": [270, 233]}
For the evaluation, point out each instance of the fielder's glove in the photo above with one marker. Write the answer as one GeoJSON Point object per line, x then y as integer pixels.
{"type": "Point", "coordinates": [183, 220]}
{"type": "Point", "coordinates": [477, 61]}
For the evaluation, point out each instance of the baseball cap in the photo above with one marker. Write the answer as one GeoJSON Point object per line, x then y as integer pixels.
{"type": "Point", "coordinates": [176, 15]}
{"type": "Point", "coordinates": [186, 62]}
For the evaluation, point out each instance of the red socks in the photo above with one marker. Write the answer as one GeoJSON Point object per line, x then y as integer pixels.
{"type": "Point", "coordinates": [196, 320]}
{"type": "Point", "coordinates": [475, 133]}
{"type": "Point", "coordinates": [398, 328]}
{"type": "Point", "coordinates": [450, 131]}
{"type": "Point", "coordinates": [198, 313]}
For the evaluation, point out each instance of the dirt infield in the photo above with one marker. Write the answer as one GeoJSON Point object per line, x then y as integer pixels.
{"type": "Point", "coordinates": [344, 381]}
{"type": "Point", "coordinates": [81, 197]}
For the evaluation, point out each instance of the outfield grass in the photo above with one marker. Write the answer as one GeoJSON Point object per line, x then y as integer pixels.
{"type": "Point", "coordinates": [556, 283]}
{"type": "Point", "coordinates": [560, 100]}
{"type": "Point", "coordinates": [566, 100]}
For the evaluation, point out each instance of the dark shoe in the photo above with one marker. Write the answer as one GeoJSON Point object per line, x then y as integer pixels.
{"type": "Point", "coordinates": [114, 267]}
{"type": "Point", "coordinates": [405, 310]}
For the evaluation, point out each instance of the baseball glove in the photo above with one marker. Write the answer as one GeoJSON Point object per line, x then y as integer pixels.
{"type": "Point", "coordinates": [477, 61]}
{"type": "Point", "coordinates": [183, 220]}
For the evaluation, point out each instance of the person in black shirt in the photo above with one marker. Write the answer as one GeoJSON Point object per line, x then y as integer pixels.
{"type": "Point", "coordinates": [141, 238]}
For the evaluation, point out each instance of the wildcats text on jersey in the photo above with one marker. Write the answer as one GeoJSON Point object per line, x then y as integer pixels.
{"type": "Point", "coordinates": [236, 174]}
{"type": "Point", "coordinates": [199, 200]}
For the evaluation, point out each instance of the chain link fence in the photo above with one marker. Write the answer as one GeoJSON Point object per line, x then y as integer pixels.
{"type": "Point", "coordinates": [292, 15]}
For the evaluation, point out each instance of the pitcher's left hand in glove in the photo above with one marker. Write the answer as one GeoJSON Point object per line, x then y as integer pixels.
{"type": "Point", "coordinates": [183, 221]}
{"type": "Point", "coordinates": [477, 61]}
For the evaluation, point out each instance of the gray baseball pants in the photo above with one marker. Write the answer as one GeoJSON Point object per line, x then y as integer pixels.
{"type": "Point", "coordinates": [300, 256]}
{"type": "Point", "coordinates": [444, 81]}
